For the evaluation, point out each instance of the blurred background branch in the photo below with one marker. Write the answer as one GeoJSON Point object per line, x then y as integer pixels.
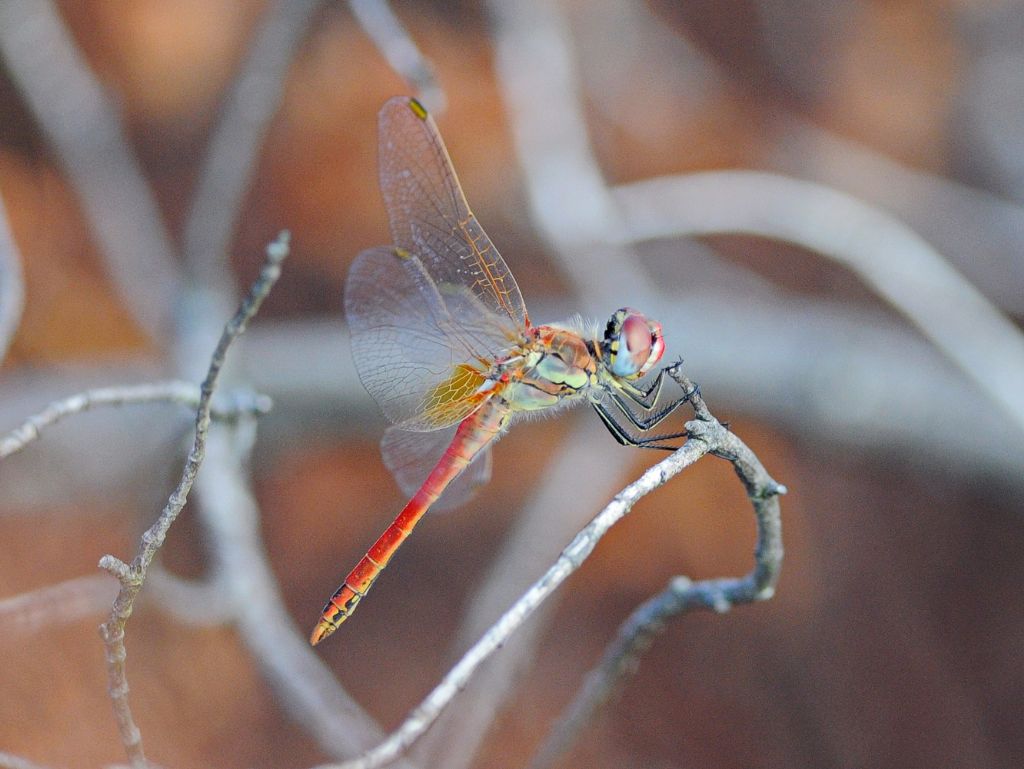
{"type": "Point", "coordinates": [80, 121]}
{"type": "Point", "coordinates": [396, 45]}
{"type": "Point", "coordinates": [182, 393]}
{"type": "Point", "coordinates": [890, 258]}
{"type": "Point", "coordinates": [132, 576]}
{"type": "Point", "coordinates": [12, 285]}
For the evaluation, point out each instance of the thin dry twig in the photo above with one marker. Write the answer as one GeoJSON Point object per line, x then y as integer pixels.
{"type": "Point", "coordinates": [132, 576]}
{"type": "Point", "coordinates": [682, 595]}
{"type": "Point", "coordinates": [185, 393]}
{"type": "Point", "coordinates": [707, 436]}
{"type": "Point", "coordinates": [12, 285]}
{"type": "Point", "coordinates": [397, 46]}
{"type": "Point", "coordinates": [81, 122]}
{"type": "Point", "coordinates": [90, 139]}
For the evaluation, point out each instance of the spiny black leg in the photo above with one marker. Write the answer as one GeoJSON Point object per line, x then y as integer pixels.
{"type": "Point", "coordinates": [625, 439]}
{"type": "Point", "coordinates": [612, 426]}
{"type": "Point", "coordinates": [651, 421]}
{"type": "Point", "coordinates": [643, 398]}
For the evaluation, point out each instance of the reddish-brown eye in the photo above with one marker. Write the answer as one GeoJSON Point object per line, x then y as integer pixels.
{"type": "Point", "coordinates": [634, 343]}
{"type": "Point", "coordinates": [657, 346]}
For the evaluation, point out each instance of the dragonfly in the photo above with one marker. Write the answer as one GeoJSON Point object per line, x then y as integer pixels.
{"type": "Point", "coordinates": [442, 341]}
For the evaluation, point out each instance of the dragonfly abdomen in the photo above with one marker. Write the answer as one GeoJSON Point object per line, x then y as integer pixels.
{"type": "Point", "coordinates": [473, 435]}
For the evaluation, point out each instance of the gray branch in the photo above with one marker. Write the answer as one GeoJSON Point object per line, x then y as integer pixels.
{"type": "Point", "coordinates": [133, 576]}
{"type": "Point", "coordinates": [234, 147]}
{"type": "Point", "coordinates": [185, 393]}
{"type": "Point", "coordinates": [12, 285]}
{"type": "Point", "coordinates": [10, 761]}
{"type": "Point", "coordinates": [682, 595]}
{"type": "Point", "coordinates": [707, 436]}
{"type": "Point", "coordinates": [78, 598]}
{"type": "Point", "coordinates": [893, 260]}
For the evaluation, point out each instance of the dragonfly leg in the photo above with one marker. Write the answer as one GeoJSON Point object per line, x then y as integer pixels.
{"type": "Point", "coordinates": [651, 420]}
{"type": "Point", "coordinates": [646, 399]}
{"type": "Point", "coordinates": [626, 439]}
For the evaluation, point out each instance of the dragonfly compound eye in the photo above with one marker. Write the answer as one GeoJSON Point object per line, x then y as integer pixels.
{"type": "Point", "coordinates": [632, 343]}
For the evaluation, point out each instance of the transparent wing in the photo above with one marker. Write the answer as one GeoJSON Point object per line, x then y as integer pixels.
{"type": "Point", "coordinates": [421, 350]}
{"type": "Point", "coordinates": [410, 456]}
{"type": "Point", "coordinates": [430, 217]}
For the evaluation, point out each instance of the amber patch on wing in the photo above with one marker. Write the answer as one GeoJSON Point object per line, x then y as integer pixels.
{"type": "Point", "coordinates": [452, 399]}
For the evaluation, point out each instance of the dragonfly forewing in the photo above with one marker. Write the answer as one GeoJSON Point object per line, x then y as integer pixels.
{"type": "Point", "coordinates": [429, 214]}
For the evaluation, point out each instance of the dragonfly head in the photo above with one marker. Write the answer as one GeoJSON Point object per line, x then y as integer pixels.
{"type": "Point", "coordinates": [632, 344]}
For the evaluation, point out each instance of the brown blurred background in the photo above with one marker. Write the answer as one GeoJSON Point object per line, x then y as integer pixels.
{"type": "Point", "coordinates": [895, 638]}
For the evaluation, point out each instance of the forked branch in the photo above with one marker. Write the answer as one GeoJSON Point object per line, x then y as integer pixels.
{"type": "Point", "coordinates": [682, 595]}
{"type": "Point", "coordinates": [706, 435]}
{"type": "Point", "coordinates": [131, 576]}
{"type": "Point", "coordinates": [174, 391]}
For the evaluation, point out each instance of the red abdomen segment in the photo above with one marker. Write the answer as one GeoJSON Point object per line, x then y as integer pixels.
{"type": "Point", "coordinates": [475, 432]}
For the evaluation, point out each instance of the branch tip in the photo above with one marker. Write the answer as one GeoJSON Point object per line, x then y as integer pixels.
{"type": "Point", "coordinates": [117, 567]}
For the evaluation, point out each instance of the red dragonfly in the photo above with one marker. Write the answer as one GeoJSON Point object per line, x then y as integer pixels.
{"type": "Point", "coordinates": [442, 341]}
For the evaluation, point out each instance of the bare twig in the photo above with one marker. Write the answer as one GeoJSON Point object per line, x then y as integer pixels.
{"type": "Point", "coordinates": [707, 436]}
{"type": "Point", "coordinates": [12, 286]}
{"type": "Point", "coordinates": [185, 393]}
{"type": "Point", "coordinates": [81, 122]}
{"type": "Point", "coordinates": [901, 267]}
{"type": "Point", "coordinates": [682, 595]}
{"type": "Point", "coordinates": [396, 44]}
{"type": "Point", "coordinates": [132, 576]}
{"type": "Point", "coordinates": [779, 361]}
{"type": "Point", "coordinates": [78, 598]}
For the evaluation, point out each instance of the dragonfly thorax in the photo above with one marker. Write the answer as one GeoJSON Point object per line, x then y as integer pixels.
{"type": "Point", "coordinates": [554, 366]}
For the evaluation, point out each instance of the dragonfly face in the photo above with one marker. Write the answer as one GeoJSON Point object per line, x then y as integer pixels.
{"type": "Point", "coordinates": [442, 341]}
